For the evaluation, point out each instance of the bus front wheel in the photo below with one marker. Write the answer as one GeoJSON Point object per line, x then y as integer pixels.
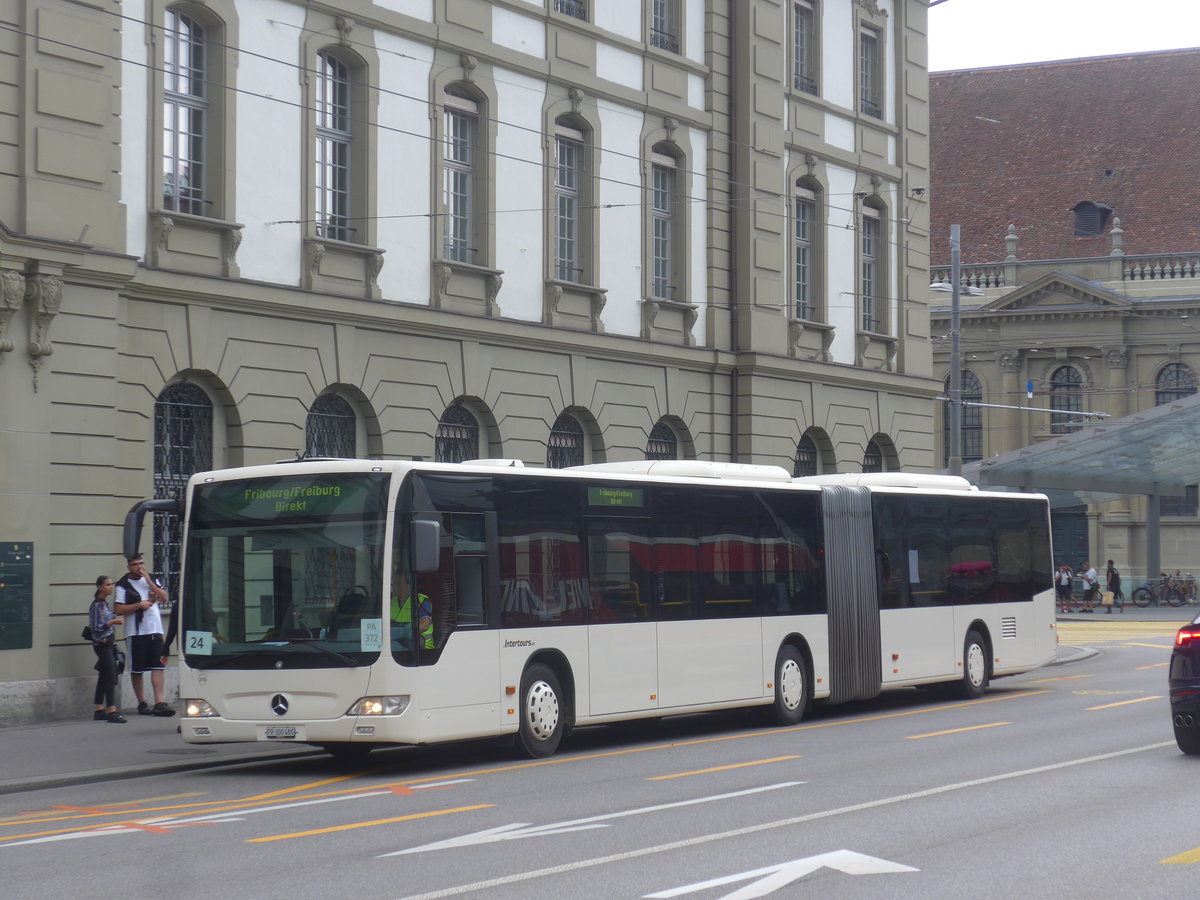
{"type": "Point", "coordinates": [975, 667]}
{"type": "Point", "coordinates": [791, 692]}
{"type": "Point", "coordinates": [541, 728]}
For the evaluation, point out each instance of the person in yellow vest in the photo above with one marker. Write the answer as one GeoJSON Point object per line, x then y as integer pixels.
{"type": "Point", "coordinates": [402, 611]}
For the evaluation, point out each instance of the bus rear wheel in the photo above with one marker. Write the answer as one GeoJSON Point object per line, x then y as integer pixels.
{"type": "Point", "coordinates": [975, 667]}
{"type": "Point", "coordinates": [791, 688]}
{"type": "Point", "coordinates": [541, 729]}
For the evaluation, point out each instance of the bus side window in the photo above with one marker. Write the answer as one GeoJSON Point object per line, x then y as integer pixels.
{"type": "Point", "coordinates": [469, 569]}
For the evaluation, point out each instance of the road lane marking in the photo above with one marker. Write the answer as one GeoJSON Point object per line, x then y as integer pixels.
{"type": "Point", "coordinates": [1123, 703]}
{"type": "Point", "coordinates": [757, 762]}
{"type": "Point", "coordinates": [568, 868]}
{"type": "Point", "coordinates": [352, 825]}
{"type": "Point", "coordinates": [1060, 678]}
{"type": "Point", "coordinates": [916, 737]}
{"type": "Point", "coordinates": [770, 879]}
{"type": "Point", "coordinates": [1161, 665]}
{"type": "Point", "coordinates": [524, 829]}
{"type": "Point", "coordinates": [1183, 859]}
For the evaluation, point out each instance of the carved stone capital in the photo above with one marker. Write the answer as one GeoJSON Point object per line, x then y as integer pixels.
{"type": "Point", "coordinates": [1010, 360]}
{"type": "Point", "coordinates": [1116, 357]}
{"type": "Point", "coordinates": [12, 295]}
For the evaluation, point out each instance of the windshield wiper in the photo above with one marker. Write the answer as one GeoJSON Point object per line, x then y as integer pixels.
{"type": "Point", "coordinates": [312, 642]}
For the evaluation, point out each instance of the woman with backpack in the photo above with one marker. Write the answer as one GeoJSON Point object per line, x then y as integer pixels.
{"type": "Point", "coordinates": [101, 619]}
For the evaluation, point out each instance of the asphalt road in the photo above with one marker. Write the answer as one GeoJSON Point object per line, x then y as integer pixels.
{"type": "Point", "coordinates": [1065, 782]}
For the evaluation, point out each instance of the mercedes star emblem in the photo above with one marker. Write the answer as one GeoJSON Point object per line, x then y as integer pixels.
{"type": "Point", "coordinates": [279, 705]}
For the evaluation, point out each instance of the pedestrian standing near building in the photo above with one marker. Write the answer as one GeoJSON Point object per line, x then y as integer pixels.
{"type": "Point", "coordinates": [1112, 580]}
{"type": "Point", "coordinates": [104, 642]}
{"type": "Point", "coordinates": [1091, 585]}
{"type": "Point", "coordinates": [138, 598]}
{"type": "Point", "coordinates": [1062, 585]}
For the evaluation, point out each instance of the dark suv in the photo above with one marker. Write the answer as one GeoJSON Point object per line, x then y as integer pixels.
{"type": "Point", "coordinates": [1185, 687]}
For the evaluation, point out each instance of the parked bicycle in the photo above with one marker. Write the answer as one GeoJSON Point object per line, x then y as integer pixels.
{"type": "Point", "coordinates": [1166, 590]}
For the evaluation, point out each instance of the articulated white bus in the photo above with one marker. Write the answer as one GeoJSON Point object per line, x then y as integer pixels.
{"type": "Point", "coordinates": [358, 603]}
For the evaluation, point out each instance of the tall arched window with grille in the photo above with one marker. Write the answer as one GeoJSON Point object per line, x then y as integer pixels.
{"type": "Point", "coordinates": [565, 447]}
{"type": "Point", "coordinates": [331, 429]}
{"type": "Point", "coordinates": [663, 444]}
{"type": "Point", "coordinates": [970, 421]}
{"type": "Point", "coordinates": [873, 458]}
{"type": "Point", "coordinates": [1066, 394]}
{"type": "Point", "coordinates": [1174, 382]}
{"type": "Point", "coordinates": [183, 445]}
{"type": "Point", "coordinates": [807, 460]}
{"type": "Point", "coordinates": [457, 436]}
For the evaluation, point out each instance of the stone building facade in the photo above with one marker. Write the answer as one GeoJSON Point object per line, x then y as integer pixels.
{"type": "Point", "coordinates": [1080, 266]}
{"type": "Point", "coordinates": [235, 231]}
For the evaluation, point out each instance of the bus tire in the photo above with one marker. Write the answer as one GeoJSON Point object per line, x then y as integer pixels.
{"type": "Point", "coordinates": [791, 686]}
{"type": "Point", "coordinates": [975, 667]}
{"type": "Point", "coordinates": [542, 720]}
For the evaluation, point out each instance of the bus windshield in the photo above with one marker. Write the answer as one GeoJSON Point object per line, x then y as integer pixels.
{"type": "Point", "coordinates": [285, 572]}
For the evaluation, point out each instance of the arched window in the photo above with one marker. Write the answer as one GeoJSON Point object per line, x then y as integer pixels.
{"type": "Point", "coordinates": [662, 444]}
{"type": "Point", "coordinates": [1066, 394]}
{"type": "Point", "coordinates": [1174, 382]}
{"type": "Point", "coordinates": [970, 420]}
{"type": "Point", "coordinates": [183, 445]}
{"type": "Point", "coordinates": [331, 429]}
{"type": "Point", "coordinates": [565, 447]}
{"type": "Point", "coordinates": [806, 458]}
{"type": "Point", "coordinates": [873, 458]}
{"type": "Point", "coordinates": [457, 437]}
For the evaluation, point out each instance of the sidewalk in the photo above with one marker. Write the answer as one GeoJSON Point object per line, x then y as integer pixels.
{"type": "Point", "coordinates": [81, 751]}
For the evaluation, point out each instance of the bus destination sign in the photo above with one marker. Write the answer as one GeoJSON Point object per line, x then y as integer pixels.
{"type": "Point", "coordinates": [614, 496]}
{"type": "Point", "coordinates": [292, 497]}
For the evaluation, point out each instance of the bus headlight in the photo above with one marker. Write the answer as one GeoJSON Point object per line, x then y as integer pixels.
{"type": "Point", "coordinates": [392, 705]}
{"type": "Point", "coordinates": [198, 709]}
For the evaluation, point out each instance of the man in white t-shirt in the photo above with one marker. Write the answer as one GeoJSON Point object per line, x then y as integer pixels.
{"type": "Point", "coordinates": [137, 598]}
{"type": "Point", "coordinates": [1090, 585]}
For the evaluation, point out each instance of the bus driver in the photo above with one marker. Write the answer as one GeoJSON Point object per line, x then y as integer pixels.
{"type": "Point", "coordinates": [402, 612]}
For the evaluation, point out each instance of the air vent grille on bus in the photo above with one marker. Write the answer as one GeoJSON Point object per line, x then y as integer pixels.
{"type": "Point", "coordinates": [1008, 628]}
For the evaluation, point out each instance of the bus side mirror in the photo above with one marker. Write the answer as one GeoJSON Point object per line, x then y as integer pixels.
{"type": "Point", "coordinates": [427, 545]}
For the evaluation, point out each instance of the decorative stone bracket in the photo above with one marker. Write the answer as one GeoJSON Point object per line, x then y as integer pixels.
{"type": "Point", "coordinates": [574, 305]}
{"type": "Point", "coordinates": [688, 313]}
{"type": "Point", "coordinates": [205, 245]}
{"type": "Point", "coordinates": [810, 340]}
{"type": "Point", "coordinates": [12, 295]}
{"type": "Point", "coordinates": [463, 287]}
{"type": "Point", "coordinates": [876, 351]}
{"type": "Point", "coordinates": [340, 267]}
{"type": "Point", "coordinates": [45, 295]}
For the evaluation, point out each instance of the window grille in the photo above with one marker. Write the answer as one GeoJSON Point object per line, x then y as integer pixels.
{"type": "Point", "coordinates": [873, 458]}
{"type": "Point", "coordinates": [183, 445]}
{"type": "Point", "coordinates": [457, 436]}
{"type": "Point", "coordinates": [334, 138]}
{"type": "Point", "coordinates": [662, 443]}
{"type": "Point", "coordinates": [868, 73]}
{"type": "Point", "coordinates": [870, 269]}
{"type": "Point", "coordinates": [565, 447]}
{"type": "Point", "coordinates": [1066, 394]}
{"type": "Point", "coordinates": [185, 114]}
{"type": "Point", "coordinates": [1174, 382]}
{"type": "Point", "coordinates": [576, 9]}
{"type": "Point", "coordinates": [806, 458]}
{"type": "Point", "coordinates": [664, 25]}
{"type": "Point", "coordinates": [331, 429]}
{"type": "Point", "coordinates": [970, 420]}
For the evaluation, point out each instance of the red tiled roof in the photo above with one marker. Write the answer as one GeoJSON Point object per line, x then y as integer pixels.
{"type": "Point", "coordinates": [1023, 144]}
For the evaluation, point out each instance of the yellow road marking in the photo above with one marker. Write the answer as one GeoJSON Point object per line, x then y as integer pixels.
{"type": "Point", "coordinates": [1183, 859]}
{"type": "Point", "coordinates": [757, 762]}
{"type": "Point", "coordinates": [1155, 646]}
{"type": "Point", "coordinates": [1161, 665]}
{"type": "Point", "coordinates": [424, 815]}
{"type": "Point", "coordinates": [1123, 703]}
{"type": "Point", "coordinates": [917, 737]}
{"type": "Point", "coordinates": [1060, 678]}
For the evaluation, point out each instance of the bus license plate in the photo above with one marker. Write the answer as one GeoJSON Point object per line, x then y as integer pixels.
{"type": "Point", "coordinates": [281, 733]}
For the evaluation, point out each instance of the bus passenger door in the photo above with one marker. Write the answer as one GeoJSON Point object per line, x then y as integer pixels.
{"type": "Point", "coordinates": [622, 636]}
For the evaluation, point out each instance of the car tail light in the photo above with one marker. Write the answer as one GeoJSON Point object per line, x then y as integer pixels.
{"type": "Point", "coordinates": [1187, 636]}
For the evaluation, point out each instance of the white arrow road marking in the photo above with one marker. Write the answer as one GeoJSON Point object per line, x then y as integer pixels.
{"type": "Point", "coordinates": [524, 829]}
{"type": "Point", "coordinates": [772, 878]}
